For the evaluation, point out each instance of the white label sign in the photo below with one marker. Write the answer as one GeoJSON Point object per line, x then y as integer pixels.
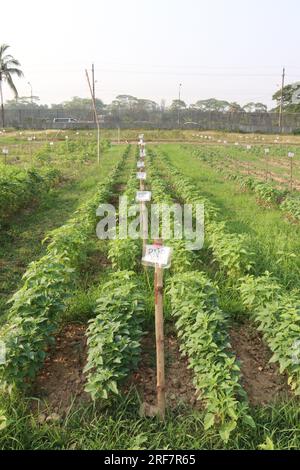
{"type": "Point", "coordinates": [140, 164]}
{"type": "Point", "coordinates": [141, 136]}
{"type": "Point", "coordinates": [141, 175]}
{"type": "Point", "coordinates": [5, 151]}
{"type": "Point", "coordinates": [291, 154]}
{"type": "Point", "coordinates": [157, 255]}
{"type": "Point", "coordinates": [142, 153]}
{"type": "Point", "coordinates": [267, 151]}
{"type": "Point", "coordinates": [249, 147]}
{"type": "Point", "coordinates": [143, 196]}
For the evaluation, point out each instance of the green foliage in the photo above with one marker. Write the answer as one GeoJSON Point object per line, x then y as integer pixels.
{"type": "Point", "coordinates": [202, 329]}
{"type": "Point", "coordinates": [291, 206]}
{"type": "Point", "coordinates": [230, 250]}
{"type": "Point", "coordinates": [114, 335]}
{"type": "Point", "coordinates": [278, 316]}
{"type": "Point", "coordinates": [19, 187]}
{"type": "Point", "coordinates": [34, 314]}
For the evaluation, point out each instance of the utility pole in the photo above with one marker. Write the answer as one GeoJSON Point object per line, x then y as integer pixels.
{"type": "Point", "coordinates": [179, 98]}
{"type": "Point", "coordinates": [96, 116]}
{"type": "Point", "coordinates": [281, 101]}
{"type": "Point", "coordinates": [93, 89]}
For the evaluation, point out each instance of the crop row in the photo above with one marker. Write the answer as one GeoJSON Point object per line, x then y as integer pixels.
{"type": "Point", "coordinates": [288, 202]}
{"type": "Point", "coordinates": [277, 316]}
{"type": "Point", "coordinates": [114, 335]}
{"type": "Point", "coordinates": [18, 187]}
{"type": "Point", "coordinates": [34, 312]}
{"type": "Point", "coordinates": [202, 330]}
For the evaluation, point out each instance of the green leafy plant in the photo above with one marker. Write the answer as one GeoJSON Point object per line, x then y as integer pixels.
{"type": "Point", "coordinates": [201, 327]}
{"type": "Point", "coordinates": [114, 335]}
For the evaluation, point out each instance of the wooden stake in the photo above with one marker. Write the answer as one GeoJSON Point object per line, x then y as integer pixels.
{"type": "Point", "coordinates": [291, 176]}
{"type": "Point", "coordinates": [160, 349]}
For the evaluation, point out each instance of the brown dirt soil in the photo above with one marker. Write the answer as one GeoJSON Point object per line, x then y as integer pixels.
{"type": "Point", "coordinates": [61, 381]}
{"type": "Point", "coordinates": [261, 380]}
{"type": "Point", "coordinates": [179, 379]}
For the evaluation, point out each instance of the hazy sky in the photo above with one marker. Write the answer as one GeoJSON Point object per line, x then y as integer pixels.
{"type": "Point", "coordinates": [228, 49]}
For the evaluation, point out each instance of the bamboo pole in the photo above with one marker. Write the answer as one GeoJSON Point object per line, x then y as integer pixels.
{"type": "Point", "coordinates": [159, 334]}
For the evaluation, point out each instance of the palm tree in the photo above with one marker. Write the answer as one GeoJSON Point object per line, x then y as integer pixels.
{"type": "Point", "coordinates": [8, 68]}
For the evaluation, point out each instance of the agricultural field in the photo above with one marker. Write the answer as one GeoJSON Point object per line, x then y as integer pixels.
{"type": "Point", "coordinates": [77, 313]}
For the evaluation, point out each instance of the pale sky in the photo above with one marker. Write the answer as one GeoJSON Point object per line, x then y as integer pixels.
{"type": "Point", "coordinates": [227, 49]}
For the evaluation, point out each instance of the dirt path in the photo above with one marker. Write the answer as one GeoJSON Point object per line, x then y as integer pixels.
{"type": "Point", "coordinates": [261, 380]}
{"type": "Point", "coordinates": [179, 379]}
{"type": "Point", "coordinates": [60, 384]}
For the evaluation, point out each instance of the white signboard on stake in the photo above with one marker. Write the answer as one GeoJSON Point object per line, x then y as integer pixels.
{"type": "Point", "coordinates": [5, 151]}
{"type": "Point", "coordinates": [157, 255]}
{"type": "Point", "coordinates": [141, 136]}
{"type": "Point", "coordinates": [249, 147]}
{"type": "Point", "coordinates": [143, 196]}
{"type": "Point", "coordinates": [142, 153]}
{"type": "Point", "coordinates": [140, 164]}
{"type": "Point", "coordinates": [141, 175]}
{"type": "Point", "coordinates": [291, 154]}
{"type": "Point", "coordinates": [267, 151]}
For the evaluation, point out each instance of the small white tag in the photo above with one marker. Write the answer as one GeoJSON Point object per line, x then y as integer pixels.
{"type": "Point", "coordinates": [291, 154]}
{"type": "Point", "coordinates": [157, 255]}
{"type": "Point", "coordinates": [140, 164]}
{"type": "Point", "coordinates": [141, 175]}
{"type": "Point", "coordinates": [143, 196]}
{"type": "Point", "coordinates": [5, 151]}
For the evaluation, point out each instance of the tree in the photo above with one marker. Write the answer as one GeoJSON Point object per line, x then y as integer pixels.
{"type": "Point", "coordinates": [8, 67]}
{"type": "Point", "coordinates": [178, 104]}
{"type": "Point", "coordinates": [212, 104]}
{"type": "Point", "coordinates": [290, 93]}
{"type": "Point", "coordinates": [255, 108]}
{"type": "Point", "coordinates": [23, 102]}
{"type": "Point", "coordinates": [235, 107]}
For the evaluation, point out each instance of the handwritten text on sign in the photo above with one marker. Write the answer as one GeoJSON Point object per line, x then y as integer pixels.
{"type": "Point", "coordinates": [141, 175]}
{"type": "Point", "coordinates": [157, 255]}
{"type": "Point", "coordinates": [143, 196]}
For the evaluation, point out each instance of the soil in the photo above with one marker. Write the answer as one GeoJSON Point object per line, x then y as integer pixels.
{"type": "Point", "coordinates": [60, 384]}
{"type": "Point", "coordinates": [179, 379]}
{"type": "Point", "coordinates": [261, 380]}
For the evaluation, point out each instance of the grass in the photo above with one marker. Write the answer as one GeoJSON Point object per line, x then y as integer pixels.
{"type": "Point", "coordinates": [119, 427]}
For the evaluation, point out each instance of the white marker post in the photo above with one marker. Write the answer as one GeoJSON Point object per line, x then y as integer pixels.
{"type": "Point", "coordinates": [5, 152]}
{"type": "Point", "coordinates": [267, 151]}
{"type": "Point", "coordinates": [291, 156]}
{"type": "Point", "coordinates": [143, 197]}
{"type": "Point", "coordinates": [140, 165]}
{"type": "Point", "coordinates": [142, 176]}
{"type": "Point", "coordinates": [159, 257]}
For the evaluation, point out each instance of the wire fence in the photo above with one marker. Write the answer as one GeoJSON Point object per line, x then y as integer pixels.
{"type": "Point", "coordinates": [40, 118]}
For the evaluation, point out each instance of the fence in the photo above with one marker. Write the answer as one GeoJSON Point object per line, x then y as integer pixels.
{"type": "Point", "coordinates": [42, 118]}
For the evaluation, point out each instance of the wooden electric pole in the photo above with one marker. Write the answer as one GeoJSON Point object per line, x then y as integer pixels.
{"type": "Point", "coordinates": [281, 101]}
{"type": "Point", "coordinates": [96, 116]}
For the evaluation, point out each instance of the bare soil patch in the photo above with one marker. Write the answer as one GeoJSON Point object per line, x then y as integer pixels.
{"type": "Point", "coordinates": [60, 384]}
{"type": "Point", "coordinates": [179, 379]}
{"type": "Point", "coordinates": [261, 380]}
